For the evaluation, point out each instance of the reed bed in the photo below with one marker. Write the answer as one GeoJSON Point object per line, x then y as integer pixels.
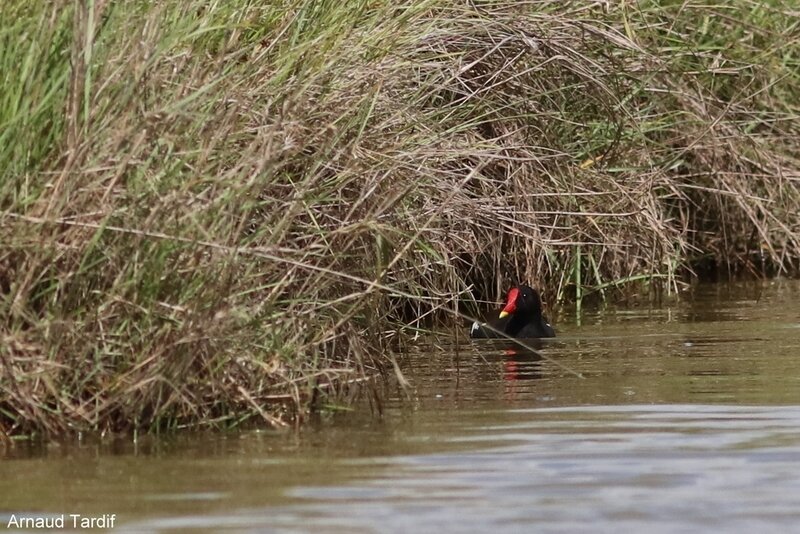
{"type": "Point", "coordinates": [212, 213]}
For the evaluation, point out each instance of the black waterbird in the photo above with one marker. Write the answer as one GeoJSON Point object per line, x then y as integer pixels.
{"type": "Point", "coordinates": [520, 318]}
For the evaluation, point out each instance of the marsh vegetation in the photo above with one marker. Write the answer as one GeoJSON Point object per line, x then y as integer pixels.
{"type": "Point", "coordinates": [208, 210]}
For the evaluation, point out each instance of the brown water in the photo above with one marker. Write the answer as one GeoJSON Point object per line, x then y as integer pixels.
{"type": "Point", "coordinates": [686, 419]}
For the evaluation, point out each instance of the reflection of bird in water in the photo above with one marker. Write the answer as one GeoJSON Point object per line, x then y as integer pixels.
{"type": "Point", "coordinates": [521, 364]}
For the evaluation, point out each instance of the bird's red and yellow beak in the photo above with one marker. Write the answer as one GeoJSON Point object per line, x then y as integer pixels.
{"type": "Point", "coordinates": [511, 303]}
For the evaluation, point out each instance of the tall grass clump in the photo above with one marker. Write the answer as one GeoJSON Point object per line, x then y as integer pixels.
{"type": "Point", "coordinates": [211, 210]}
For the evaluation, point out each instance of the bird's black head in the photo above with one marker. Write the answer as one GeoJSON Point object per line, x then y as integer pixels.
{"type": "Point", "coordinates": [523, 301]}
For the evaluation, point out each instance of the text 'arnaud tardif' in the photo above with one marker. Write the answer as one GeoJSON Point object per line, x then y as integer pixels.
{"type": "Point", "coordinates": [61, 521]}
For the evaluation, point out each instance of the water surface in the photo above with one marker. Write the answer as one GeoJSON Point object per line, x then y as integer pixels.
{"type": "Point", "coordinates": [677, 418]}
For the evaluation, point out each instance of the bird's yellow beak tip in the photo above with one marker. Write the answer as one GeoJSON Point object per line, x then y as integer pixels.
{"type": "Point", "coordinates": [504, 314]}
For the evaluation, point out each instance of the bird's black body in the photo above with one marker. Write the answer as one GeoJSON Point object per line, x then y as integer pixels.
{"type": "Point", "coordinates": [521, 318]}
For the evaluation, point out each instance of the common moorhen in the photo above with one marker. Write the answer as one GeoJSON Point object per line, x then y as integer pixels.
{"type": "Point", "coordinates": [522, 318]}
